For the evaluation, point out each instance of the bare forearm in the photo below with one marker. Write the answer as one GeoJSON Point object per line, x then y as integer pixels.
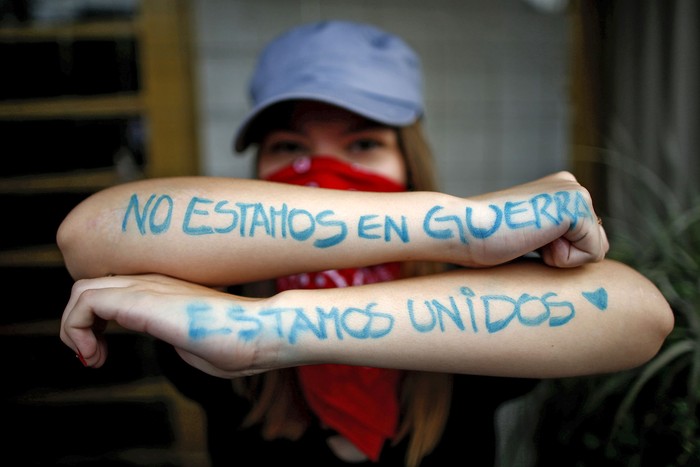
{"type": "Point", "coordinates": [522, 319]}
{"type": "Point", "coordinates": [517, 320]}
{"type": "Point", "coordinates": [223, 231]}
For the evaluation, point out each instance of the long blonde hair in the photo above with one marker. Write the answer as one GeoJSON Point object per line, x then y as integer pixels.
{"type": "Point", "coordinates": [425, 396]}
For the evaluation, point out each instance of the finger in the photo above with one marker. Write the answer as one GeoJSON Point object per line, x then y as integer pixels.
{"type": "Point", "coordinates": [605, 243]}
{"type": "Point", "coordinates": [79, 331]}
{"type": "Point", "coordinates": [560, 253]}
{"type": "Point", "coordinates": [564, 255]}
{"type": "Point", "coordinates": [577, 247]}
{"type": "Point", "coordinates": [82, 285]}
{"type": "Point", "coordinates": [588, 240]}
{"type": "Point", "coordinates": [142, 307]}
{"type": "Point", "coordinates": [93, 303]}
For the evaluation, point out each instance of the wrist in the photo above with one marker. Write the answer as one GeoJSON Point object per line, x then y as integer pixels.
{"type": "Point", "coordinates": [281, 324]}
{"type": "Point", "coordinates": [445, 228]}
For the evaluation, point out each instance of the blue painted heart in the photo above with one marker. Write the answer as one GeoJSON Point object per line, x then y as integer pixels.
{"type": "Point", "coordinates": [599, 298]}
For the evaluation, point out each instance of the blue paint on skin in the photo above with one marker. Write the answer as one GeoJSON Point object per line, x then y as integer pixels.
{"type": "Point", "coordinates": [220, 208]}
{"type": "Point", "coordinates": [325, 229]}
{"type": "Point", "coordinates": [366, 322]}
{"type": "Point", "coordinates": [304, 233]}
{"type": "Point", "coordinates": [260, 219]}
{"type": "Point", "coordinates": [140, 216]}
{"type": "Point", "coordinates": [497, 325]}
{"type": "Point", "coordinates": [427, 327]}
{"type": "Point", "coordinates": [334, 316]}
{"type": "Point", "coordinates": [514, 215]}
{"type": "Point", "coordinates": [581, 207]}
{"type": "Point", "coordinates": [202, 323]}
{"type": "Point", "coordinates": [191, 211]}
{"type": "Point", "coordinates": [237, 315]}
{"type": "Point", "coordinates": [517, 312]}
{"type": "Point", "coordinates": [244, 216]}
{"type": "Point", "coordinates": [511, 211]}
{"type": "Point", "coordinates": [277, 314]}
{"type": "Point", "coordinates": [375, 324]}
{"type": "Point", "coordinates": [442, 310]}
{"type": "Point", "coordinates": [533, 320]}
{"type": "Point", "coordinates": [468, 294]}
{"type": "Point", "coordinates": [559, 320]}
{"type": "Point", "coordinates": [541, 210]}
{"type": "Point", "coordinates": [391, 225]}
{"type": "Point", "coordinates": [442, 234]}
{"type": "Point", "coordinates": [282, 214]}
{"type": "Point", "coordinates": [363, 226]}
{"type": "Point", "coordinates": [561, 201]}
{"type": "Point", "coordinates": [482, 233]}
{"type": "Point", "coordinates": [155, 227]}
{"type": "Point", "coordinates": [334, 240]}
{"type": "Point", "coordinates": [359, 323]}
{"type": "Point", "coordinates": [302, 323]}
{"type": "Point", "coordinates": [598, 297]}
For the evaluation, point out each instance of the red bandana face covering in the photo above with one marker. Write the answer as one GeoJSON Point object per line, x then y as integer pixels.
{"type": "Point", "coordinates": [360, 403]}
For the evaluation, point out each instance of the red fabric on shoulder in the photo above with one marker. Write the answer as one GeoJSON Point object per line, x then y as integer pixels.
{"type": "Point", "coordinates": [361, 403]}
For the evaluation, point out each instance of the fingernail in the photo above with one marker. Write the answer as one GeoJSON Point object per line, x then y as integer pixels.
{"type": "Point", "coordinates": [79, 356]}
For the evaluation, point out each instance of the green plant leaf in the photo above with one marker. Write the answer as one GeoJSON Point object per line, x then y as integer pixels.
{"type": "Point", "coordinates": [650, 370]}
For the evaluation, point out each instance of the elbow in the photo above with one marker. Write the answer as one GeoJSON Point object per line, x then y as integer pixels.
{"type": "Point", "coordinates": [76, 237]}
{"type": "Point", "coordinates": [657, 325]}
{"type": "Point", "coordinates": [666, 322]}
{"type": "Point", "coordinates": [64, 236]}
{"type": "Point", "coordinates": [663, 324]}
{"type": "Point", "coordinates": [646, 319]}
{"type": "Point", "coordinates": [66, 240]}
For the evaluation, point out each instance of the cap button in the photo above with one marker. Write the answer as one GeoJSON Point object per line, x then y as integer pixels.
{"type": "Point", "coordinates": [302, 165]}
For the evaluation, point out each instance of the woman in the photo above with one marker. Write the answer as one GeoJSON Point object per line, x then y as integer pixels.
{"type": "Point", "coordinates": [396, 360]}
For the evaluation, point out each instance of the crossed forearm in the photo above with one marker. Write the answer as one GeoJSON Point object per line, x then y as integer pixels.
{"type": "Point", "coordinates": [522, 319]}
{"type": "Point", "coordinates": [223, 231]}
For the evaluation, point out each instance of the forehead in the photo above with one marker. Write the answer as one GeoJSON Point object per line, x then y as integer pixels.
{"type": "Point", "coordinates": [301, 114]}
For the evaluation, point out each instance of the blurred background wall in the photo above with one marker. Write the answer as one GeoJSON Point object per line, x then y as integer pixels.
{"type": "Point", "coordinates": [98, 92]}
{"type": "Point", "coordinates": [515, 89]}
{"type": "Point", "coordinates": [496, 79]}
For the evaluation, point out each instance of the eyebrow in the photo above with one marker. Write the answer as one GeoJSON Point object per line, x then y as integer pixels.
{"type": "Point", "coordinates": [366, 125]}
{"type": "Point", "coordinates": [359, 127]}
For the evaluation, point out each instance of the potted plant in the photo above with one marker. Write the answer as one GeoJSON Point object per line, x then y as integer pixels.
{"type": "Point", "coordinates": [647, 416]}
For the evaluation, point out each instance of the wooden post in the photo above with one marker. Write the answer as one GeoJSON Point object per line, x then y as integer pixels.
{"type": "Point", "coordinates": [168, 88]}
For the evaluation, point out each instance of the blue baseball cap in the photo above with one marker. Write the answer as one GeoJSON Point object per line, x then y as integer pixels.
{"type": "Point", "coordinates": [352, 65]}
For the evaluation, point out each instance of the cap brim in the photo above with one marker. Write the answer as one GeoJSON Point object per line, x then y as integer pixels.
{"type": "Point", "coordinates": [392, 112]}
